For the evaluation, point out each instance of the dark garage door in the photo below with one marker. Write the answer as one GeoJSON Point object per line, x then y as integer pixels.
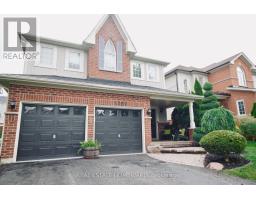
{"type": "Point", "coordinates": [119, 130]}
{"type": "Point", "coordinates": [50, 131]}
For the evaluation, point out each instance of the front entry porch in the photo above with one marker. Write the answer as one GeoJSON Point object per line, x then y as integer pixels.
{"type": "Point", "coordinates": [165, 128]}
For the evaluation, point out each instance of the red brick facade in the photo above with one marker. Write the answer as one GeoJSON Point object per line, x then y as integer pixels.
{"type": "Point", "coordinates": [227, 76]}
{"type": "Point", "coordinates": [66, 96]}
{"type": "Point", "coordinates": [108, 31]}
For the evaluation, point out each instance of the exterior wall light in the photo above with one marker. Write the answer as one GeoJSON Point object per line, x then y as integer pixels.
{"type": "Point", "coordinates": [149, 112]}
{"type": "Point", "coordinates": [12, 104]}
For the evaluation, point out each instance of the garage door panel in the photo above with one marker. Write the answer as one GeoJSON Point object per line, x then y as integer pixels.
{"type": "Point", "coordinates": [50, 132]}
{"type": "Point", "coordinates": [29, 123]}
{"type": "Point", "coordinates": [45, 151]}
{"type": "Point", "coordinates": [47, 123]}
{"type": "Point", "coordinates": [26, 151]}
{"type": "Point", "coordinates": [63, 123]}
{"type": "Point", "coordinates": [78, 123]}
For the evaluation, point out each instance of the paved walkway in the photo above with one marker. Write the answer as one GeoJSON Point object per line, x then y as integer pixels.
{"type": "Point", "coordinates": [126, 169]}
{"type": "Point", "coordinates": [180, 158]}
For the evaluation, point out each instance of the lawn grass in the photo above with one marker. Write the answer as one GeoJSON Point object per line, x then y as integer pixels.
{"type": "Point", "coordinates": [248, 171]}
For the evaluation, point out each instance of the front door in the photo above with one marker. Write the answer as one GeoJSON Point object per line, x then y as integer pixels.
{"type": "Point", "coordinates": [153, 123]}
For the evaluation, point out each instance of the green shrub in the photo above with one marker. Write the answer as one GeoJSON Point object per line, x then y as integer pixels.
{"type": "Point", "coordinates": [198, 134]}
{"type": "Point", "coordinates": [209, 101]}
{"type": "Point", "coordinates": [253, 112]}
{"type": "Point", "coordinates": [248, 127]}
{"type": "Point", "coordinates": [90, 143]}
{"type": "Point", "coordinates": [223, 142]}
{"type": "Point", "coordinates": [217, 119]}
{"type": "Point", "coordinates": [198, 90]}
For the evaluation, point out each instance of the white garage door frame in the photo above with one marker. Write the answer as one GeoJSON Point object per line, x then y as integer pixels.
{"type": "Point", "coordinates": [142, 124]}
{"type": "Point", "coordinates": [14, 158]}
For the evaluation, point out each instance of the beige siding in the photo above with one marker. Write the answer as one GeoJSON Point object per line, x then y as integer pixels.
{"type": "Point", "coordinates": [30, 67]}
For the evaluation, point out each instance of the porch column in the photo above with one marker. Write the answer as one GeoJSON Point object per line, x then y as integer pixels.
{"type": "Point", "coordinates": [191, 116]}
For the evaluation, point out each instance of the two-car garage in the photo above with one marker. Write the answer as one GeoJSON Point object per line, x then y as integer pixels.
{"type": "Point", "coordinates": [54, 131]}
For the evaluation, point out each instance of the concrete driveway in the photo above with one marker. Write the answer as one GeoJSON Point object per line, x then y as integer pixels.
{"type": "Point", "coordinates": [126, 169]}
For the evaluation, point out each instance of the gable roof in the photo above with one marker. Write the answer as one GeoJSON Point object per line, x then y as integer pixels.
{"type": "Point", "coordinates": [91, 37]}
{"type": "Point", "coordinates": [229, 60]}
{"type": "Point", "coordinates": [207, 69]}
{"type": "Point", "coordinates": [185, 68]}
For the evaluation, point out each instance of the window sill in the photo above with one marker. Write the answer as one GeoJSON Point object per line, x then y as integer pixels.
{"type": "Point", "coordinates": [45, 66]}
{"type": "Point", "coordinates": [74, 70]}
{"type": "Point", "coordinates": [107, 70]}
{"type": "Point", "coordinates": [136, 78]}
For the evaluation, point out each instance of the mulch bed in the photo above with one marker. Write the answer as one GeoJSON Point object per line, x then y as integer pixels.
{"type": "Point", "coordinates": [233, 161]}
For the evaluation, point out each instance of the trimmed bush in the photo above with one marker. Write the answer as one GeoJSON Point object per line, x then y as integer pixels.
{"type": "Point", "coordinates": [253, 112]}
{"type": "Point", "coordinates": [209, 101]}
{"type": "Point", "coordinates": [223, 142]}
{"type": "Point", "coordinates": [217, 119]}
{"type": "Point", "coordinates": [248, 127]}
{"type": "Point", "coordinates": [198, 134]}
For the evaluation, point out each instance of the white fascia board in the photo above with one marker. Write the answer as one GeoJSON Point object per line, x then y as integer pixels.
{"type": "Point", "coordinates": [242, 89]}
{"type": "Point", "coordinates": [246, 58]}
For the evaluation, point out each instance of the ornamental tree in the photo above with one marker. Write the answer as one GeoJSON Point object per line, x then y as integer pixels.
{"type": "Point", "coordinates": [210, 100]}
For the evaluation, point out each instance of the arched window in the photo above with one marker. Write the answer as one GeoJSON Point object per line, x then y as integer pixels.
{"type": "Point", "coordinates": [241, 76]}
{"type": "Point", "coordinates": [110, 56]}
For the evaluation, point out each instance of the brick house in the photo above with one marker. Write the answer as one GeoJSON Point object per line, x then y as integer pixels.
{"type": "Point", "coordinates": [233, 81]}
{"type": "Point", "coordinates": [99, 89]}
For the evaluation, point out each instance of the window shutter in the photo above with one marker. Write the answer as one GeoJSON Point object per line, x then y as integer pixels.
{"type": "Point", "coordinates": [119, 50]}
{"type": "Point", "coordinates": [101, 52]}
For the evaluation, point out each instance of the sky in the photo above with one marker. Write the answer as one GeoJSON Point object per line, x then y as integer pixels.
{"type": "Point", "coordinates": [190, 40]}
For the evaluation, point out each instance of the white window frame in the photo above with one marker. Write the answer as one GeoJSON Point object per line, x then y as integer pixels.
{"type": "Point", "coordinates": [142, 66]}
{"type": "Point", "coordinates": [54, 62]}
{"type": "Point", "coordinates": [243, 83]}
{"type": "Point", "coordinates": [157, 72]}
{"type": "Point", "coordinates": [106, 68]}
{"type": "Point", "coordinates": [237, 106]}
{"type": "Point", "coordinates": [68, 51]}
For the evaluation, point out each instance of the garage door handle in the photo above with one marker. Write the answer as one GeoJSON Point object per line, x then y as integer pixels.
{"type": "Point", "coordinates": [53, 136]}
{"type": "Point", "coordinates": [118, 135]}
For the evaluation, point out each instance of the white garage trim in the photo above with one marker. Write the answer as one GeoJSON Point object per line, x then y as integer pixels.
{"type": "Point", "coordinates": [127, 108]}
{"type": "Point", "coordinates": [14, 158]}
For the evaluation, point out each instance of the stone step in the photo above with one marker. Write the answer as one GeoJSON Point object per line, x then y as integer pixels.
{"type": "Point", "coordinates": [155, 146]}
{"type": "Point", "coordinates": [188, 150]}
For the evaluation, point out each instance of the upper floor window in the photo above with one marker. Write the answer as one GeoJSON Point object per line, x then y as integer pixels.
{"type": "Point", "coordinates": [241, 76]}
{"type": "Point", "coordinates": [185, 82]}
{"type": "Point", "coordinates": [136, 70]}
{"type": "Point", "coordinates": [152, 72]}
{"type": "Point", "coordinates": [110, 56]}
{"type": "Point", "coordinates": [240, 107]}
{"type": "Point", "coordinates": [47, 56]}
{"type": "Point", "coordinates": [74, 60]}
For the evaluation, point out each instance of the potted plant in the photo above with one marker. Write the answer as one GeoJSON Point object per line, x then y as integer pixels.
{"type": "Point", "coordinates": [90, 149]}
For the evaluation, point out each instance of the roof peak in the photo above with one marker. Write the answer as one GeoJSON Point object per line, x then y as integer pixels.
{"type": "Point", "coordinates": [91, 38]}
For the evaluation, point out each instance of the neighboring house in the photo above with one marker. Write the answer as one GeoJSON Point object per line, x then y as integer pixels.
{"type": "Point", "coordinates": [182, 78]}
{"type": "Point", "coordinates": [233, 81]}
{"type": "Point", "coordinates": [99, 89]}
